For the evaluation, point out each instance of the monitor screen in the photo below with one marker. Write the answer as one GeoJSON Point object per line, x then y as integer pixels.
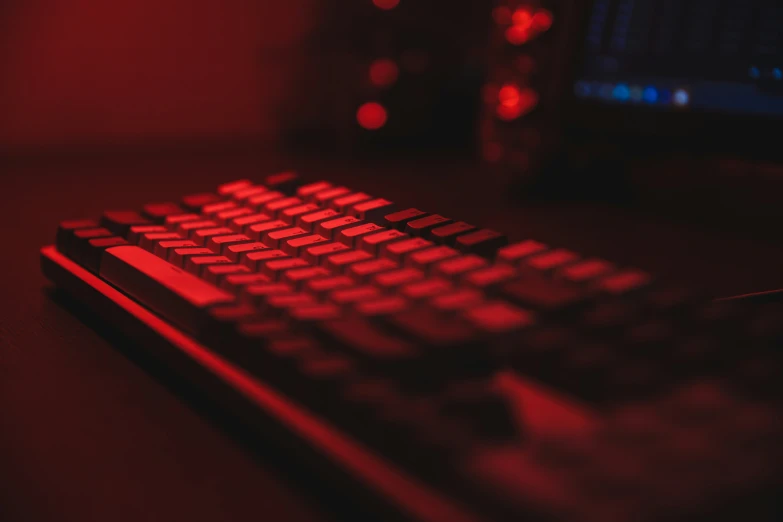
{"type": "Point", "coordinates": [722, 56]}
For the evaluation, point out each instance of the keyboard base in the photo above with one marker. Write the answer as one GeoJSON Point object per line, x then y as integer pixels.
{"type": "Point", "coordinates": [260, 407]}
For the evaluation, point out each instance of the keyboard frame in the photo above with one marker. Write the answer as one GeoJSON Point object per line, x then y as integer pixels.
{"type": "Point", "coordinates": [263, 409]}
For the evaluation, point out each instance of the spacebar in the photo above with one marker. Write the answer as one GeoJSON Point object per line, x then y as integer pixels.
{"type": "Point", "coordinates": [166, 289]}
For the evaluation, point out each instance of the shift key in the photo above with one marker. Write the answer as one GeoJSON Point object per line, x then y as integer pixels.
{"type": "Point", "coordinates": [166, 289]}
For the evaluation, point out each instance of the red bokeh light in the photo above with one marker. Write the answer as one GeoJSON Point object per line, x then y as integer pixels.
{"type": "Point", "coordinates": [528, 24]}
{"type": "Point", "coordinates": [383, 73]}
{"type": "Point", "coordinates": [517, 34]}
{"type": "Point", "coordinates": [371, 116]}
{"type": "Point", "coordinates": [514, 102]}
{"type": "Point", "coordinates": [522, 16]}
{"type": "Point", "coordinates": [542, 20]}
{"type": "Point", "coordinates": [386, 4]}
{"type": "Point", "coordinates": [508, 95]}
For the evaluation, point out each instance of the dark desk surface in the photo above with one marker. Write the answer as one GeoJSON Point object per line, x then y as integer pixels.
{"type": "Point", "coordinates": [88, 434]}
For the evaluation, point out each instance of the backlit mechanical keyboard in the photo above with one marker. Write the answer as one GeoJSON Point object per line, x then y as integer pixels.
{"type": "Point", "coordinates": [439, 372]}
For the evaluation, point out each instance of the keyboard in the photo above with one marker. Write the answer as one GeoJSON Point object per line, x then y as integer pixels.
{"type": "Point", "coordinates": [435, 370]}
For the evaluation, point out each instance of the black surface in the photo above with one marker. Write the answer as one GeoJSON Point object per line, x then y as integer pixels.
{"type": "Point", "coordinates": [89, 430]}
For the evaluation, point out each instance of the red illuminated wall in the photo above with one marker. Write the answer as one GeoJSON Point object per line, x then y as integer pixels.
{"type": "Point", "coordinates": [97, 71]}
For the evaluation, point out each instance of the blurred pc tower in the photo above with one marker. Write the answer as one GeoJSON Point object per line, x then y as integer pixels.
{"type": "Point", "coordinates": [390, 74]}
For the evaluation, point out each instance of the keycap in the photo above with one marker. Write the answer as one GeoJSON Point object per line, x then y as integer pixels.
{"type": "Point", "coordinates": [274, 238]}
{"type": "Point", "coordinates": [364, 340]}
{"type": "Point", "coordinates": [426, 289]}
{"type": "Point", "coordinates": [323, 197]}
{"type": "Point", "coordinates": [324, 285]}
{"type": "Point", "coordinates": [374, 210]}
{"type": "Point", "coordinates": [175, 219]}
{"type": "Point", "coordinates": [309, 221]}
{"type": "Point", "coordinates": [178, 256]}
{"type": "Point", "coordinates": [337, 263]}
{"type": "Point", "coordinates": [211, 210]}
{"type": "Point", "coordinates": [168, 290]}
{"type": "Point", "coordinates": [395, 278]}
{"type": "Point", "coordinates": [295, 245]}
{"type": "Point", "coordinates": [298, 276]}
{"type": "Point", "coordinates": [381, 306]}
{"type": "Point", "coordinates": [241, 224]}
{"type": "Point", "coordinates": [350, 295]}
{"type": "Point", "coordinates": [373, 242]}
{"type": "Point", "coordinates": [447, 235]}
{"type": "Point", "coordinates": [331, 227]}
{"type": "Point", "coordinates": [236, 251]}
{"type": "Point", "coordinates": [551, 260]}
{"type": "Point", "coordinates": [514, 253]}
{"type": "Point", "coordinates": [455, 266]}
{"type": "Point", "coordinates": [435, 331]}
{"type": "Point", "coordinates": [484, 242]}
{"type": "Point", "coordinates": [498, 317]}
{"type": "Point", "coordinates": [422, 226]}
{"type": "Point", "coordinates": [195, 202]}
{"type": "Point", "coordinates": [80, 238]}
{"type": "Point", "coordinates": [306, 191]}
{"type": "Point", "coordinates": [489, 277]}
{"type": "Point", "coordinates": [234, 283]}
{"type": "Point", "coordinates": [364, 270]}
{"type": "Point", "coordinates": [459, 299]}
{"type": "Point", "coordinates": [196, 264]}
{"type": "Point", "coordinates": [398, 220]}
{"type": "Point", "coordinates": [134, 233]}
{"type": "Point", "coordinates": [242, 195]}
{"type": "Point", "coordinates": [187, 228]}
{"type": "Point", "coordinates": [586, 270]}
{"type": "Point", "coordinates": [350, 235]}
{"type": "Point", "coordinates": [255, 260]}
{"type": "Point", "coordinates": [314, 312]}
{"type": "Point", "coordinates": [220, 243]}
{"type": "Point", "coordinates": [258, 201]}
{"type": "Point", "coordinates": [120, 221]}
{"type": "Point", "coordinates": [162, 248]}
{"type": "Point", "coordinates": [343, 203]}
{"type": "Point", "coordinates": [317, 254]}
{"type": "Point", "coordinates": [258, 230]}
{"type": "Point", "coordinates": [226, 218]}
{"type": "Point", "coordinates": [426, 258]}
{"type": "Point", "coordinates": [398, 251]}
{"type": "Point", "coordinates": [91, 255]}
{"type": "Point", "coordinates": [543, 294]}
{"type": "Point", "coordinates": [158, 212]}
{"type": "Point", "coordinates": [215, 273]}
{"type": "Point", "coordinates": [276, 207]}
{"type": "Point", "coordinates": [202, 235]}
{"type": "Point", "coordinates": [276, 267]}
{"type": "Point", "coordinates": [227, 189]}
{"type": "Point", "coordinates": [66, 229]}
{"type": "Point", "coordinates": [258, 294]}
{"type": "Point", "coordinates": [291, 214]}
{"type": "Point", "coordinates": [277, 304]}
{"type": "Point", "coordinates": [286, 182]}
{"type": "Point", "coordinates": [624, 282]}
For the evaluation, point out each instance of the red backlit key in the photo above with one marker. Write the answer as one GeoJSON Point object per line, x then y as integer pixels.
{"type": "Point", "coordinates": [227, 189]}
{"type": "Point", "coordinates": [259, 230]}
{"type": "Point", "coordinates": [400, 250]}
{"type": "Point", "coordinates": [323, 285]}
{"type": "Point", "coordinates": [234, 283]}
{"type": "Point", "coordinates": [274, 238]}
{"type": "Point", "coordinates": [178, 256]}
{"type": "Point", "coordinates": [458, 265]}
{"type": "Point", "coordinates": [212, 209]}
{"type": "Point", "coordinates": [306, 191]}
{"type": "Point", "coordinates": [66, 230]}
{"type": "Point", "coordinates": [255, 260]}
{"type": "Point", "coordinates": [457, 300]}
{"type": "Point", "coordinates": [246, 193]}
{"type": "Point", "coordinates": [202, 235]}
{"type": "Point", "coordinates": [291, 214]}
{"type": "Point", "coordinates": [276, 267]}
{"type": "Point", "coordinates": [323, 197]}
{"type": "Point", "coordinates": [448, 234]}
{"type": "Point", "coordinates": [176, 219]}
{"type": "Point", "coordinates": [196, 264]}
{"type": "Point", "coordinates": [424, 259]}
{"type": "Point", "coordinates": [259, 200]}
{"type": "Point", "coordinates": [241, 224]}
{"type": "Point", "coordinates": [150, 239]}
{"type": "Point", "coordinates": [158, 212]}
{"type": "Point", "coordinates": [426, 289]}
{"type": "Point", "coordinates": [366, 269]}
{"type": "Point", "coordinates": [498, 317]}
{"type": "Point", "coordinates": [317, 254]}
{"type": "Point", "coordinates": [296, 245]}
{"type": "Point", "coordinates": [343, 203]}
{"type": "Point", "coordinates": [422, 226]}
{"type": "Point", "coordinates": [543, 294]}
{"type": "Point", "coordinates": [120, 221]}
{"type": "Point", "coordinates": [309, 221]}
{"type": "Point", "coordinates": [286, 182]}
{"type": "Point", "coordinates": [624, 282]}
{"type": "Point", "coordinates": [314, 312]}
{"type": "Point", "coordinates": [275, 207]}
{"type": "Point", "coordinates": [346, 296]}
{"type": "Point", "coordinates": [91, 254]}
{"type": "Point", "coordinates": [586, 270]}
{"type": "Point", "coordinates": [219, 244]}
{"type": "Point", "coordinates": [235, 252]}
{"type": "Point", "coordinates": [381, 306]}
{"type": "Point", "coordinates": [298, 276]}
{"type": "Point", "coordinates": [135, 232]}
{"type": "Point", "coordinates": [398, 220]}
{"type": "Point", "coordinates": [195, 202]}
{"type": "Point", "coordinates": [373, 242]}
{"type": "Point", "coordinates": [338, 262]}
{"type": "Point", "coordinates": [513, 253]}
{"type": "Point", "coordinates": [483, 242]}
{"type": "Point", "coordinates": [395, 278]}
{"type": "Point", "coordinates": [280, 303]}
{"type": "Point", "coordinates": [374, 211]}
{"type": "Point", "coordinates": [329, 228]}
{"type": "Point", "coordinates": [551, 260]}
{"type": "Point", "coordinates": [349, 236]}
{"type": "Point", "coordinates": [215, 273]}
{"type": "Point", "coordinates": [163, 248]}
{"type": "Point", "coordinates": [258, 294]}
{"type": "Point", "coordinates": [490, 276]}
{"type": "Point", "coordinates": [186, 228]}
{"type": "Point", "coordinates": [227, 217]}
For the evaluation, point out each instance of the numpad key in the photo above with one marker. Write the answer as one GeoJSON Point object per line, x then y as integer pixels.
{"type": "Point", "coordinates": [448, 374]}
